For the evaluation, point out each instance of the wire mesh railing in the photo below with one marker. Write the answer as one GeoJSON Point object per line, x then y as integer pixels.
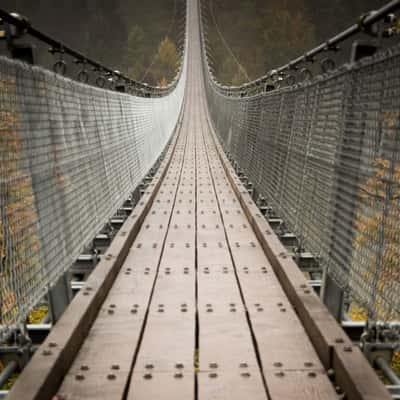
{"type": "Point", "coordinates": [70, 154]}
{"type": "Point", "coordinates": [325, 153]}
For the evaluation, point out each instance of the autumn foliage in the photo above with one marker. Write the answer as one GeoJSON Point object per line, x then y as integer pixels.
{"type": "Point", "coordinates": [377, 241]}
{"type": "Point", "coordinates": [19, 242]}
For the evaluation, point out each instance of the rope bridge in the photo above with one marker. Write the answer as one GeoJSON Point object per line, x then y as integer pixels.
{"type": "Point", "coordinates": [196, 297]}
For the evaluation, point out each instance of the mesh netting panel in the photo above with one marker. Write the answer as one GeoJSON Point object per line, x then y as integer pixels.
{"type": "Point", "coordinates": [70, 154]}
{"type": "Point", "coordinates": [326, 155]}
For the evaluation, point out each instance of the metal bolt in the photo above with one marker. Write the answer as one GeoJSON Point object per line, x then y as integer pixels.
{"type": "Point", "coordinates": [348, 349]}
{"type": "Point", "coordinates": [79, 377]}
{"type": "Point", "coordinates": [47, 352]}
{"type": "Point", "coordinates": [278, 364]}
{"type": "Point", "coordinates": [339, 340]}
{"type": "Point", "coordinates": [245, 374]}
{"type": "Point", "coordinates": [280, 374]}
{"type": "Point", "coordinates": [111, 377]}
{"type": "Point", "coordinates": [243, 365]}
{"type": "Point", "coordinates": [147, 376]}
{"type": "Point", "coordinates": [179, 366]}
{"type": "Point", "coordinates": [178, 375]}
{"type": "Point", "coordinates": [149, 366]}
{"type": "Point", "coordinates": [213, 375]}
{"type": "Point", "coordinates": [308, 364]}
{"type": "Point", "coordinates": [338, 390]}
{"type": "Point", "coordinates": [115, 366]}
{"type": "Point", "coordinates": [52, 344]}
{"type": "Point", "coordinates": [312, 374]}
{"type": "Point", "coordinates": [213, 365]}
{"type": "Point", "coordinates": [134, 311]}
{"type": "Point", "coordinates": [84, 367]}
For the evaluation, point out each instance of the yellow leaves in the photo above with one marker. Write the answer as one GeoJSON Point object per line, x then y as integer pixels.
{"type": "Point", "coordinates": [391, 118]}
{"type": "Point", "coordinates": [396, 362]}
{"type": "Point", "coordinates": [376, 187]}
{"type": "Point", "coordinates": [7, 86]}
{"type": "Point", "coordinates": [377, 241]}
{"type": "Point", "coordinates": [163, 82]}
{"type": "Point", "coordinates": [10, 382]}
{"type": "Point", "coordinates": [167, 53]}
{"type": "Point", "coordinates": [19, 241]}
{"type": "Point", "coordinates": [357, 313]}
{"type": "Point", "coordinates": [37, 314]}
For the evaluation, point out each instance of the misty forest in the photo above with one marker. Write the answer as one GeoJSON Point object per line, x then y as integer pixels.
{"type": "Point", "coordinates": [140, 38]}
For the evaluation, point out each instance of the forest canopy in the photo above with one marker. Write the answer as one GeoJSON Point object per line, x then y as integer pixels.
{"type": "Point", "coordinates": [139, 37]}
{"type": "Point", "coordinates": [129, 36]}
{"type": "Point", "coordinates": [265, 34]}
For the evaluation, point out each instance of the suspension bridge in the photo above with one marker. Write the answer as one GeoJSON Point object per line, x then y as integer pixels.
{"type": "Point", "coordinates": [249, 220]}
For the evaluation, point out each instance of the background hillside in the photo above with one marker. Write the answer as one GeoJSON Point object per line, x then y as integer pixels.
{"type": "Point", "coordinates": [140, 37]}
{"type": "Point", "coordinates": [264, 34]}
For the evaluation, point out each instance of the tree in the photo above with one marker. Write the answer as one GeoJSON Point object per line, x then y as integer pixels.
{"type": "Point", "coordinates": [134, 52]}
{"type": "Point", "coordinates": [166, 62]}
{"type": "Point", "coordinates": [19, 239]}
{"type": "Point", "coordinates": [377, 243]}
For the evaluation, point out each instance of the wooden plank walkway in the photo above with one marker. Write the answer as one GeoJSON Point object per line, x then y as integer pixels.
{"type": "Point", "coordinates": [196, 311]}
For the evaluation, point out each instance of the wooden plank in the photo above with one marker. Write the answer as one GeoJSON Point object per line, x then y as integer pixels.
{"type": "Point", "coordinates": [168, 340]}
{"type": "Point", "coordinates": [231, 384]}
{"type": "Point", "coordinates": [162, 386]}
{"type": "Point", "coordinates": [227, 358]}
{"type": "Point", "coordinates": [358, 382]}
{"type": "Point", "coordinates": [295, 385]}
